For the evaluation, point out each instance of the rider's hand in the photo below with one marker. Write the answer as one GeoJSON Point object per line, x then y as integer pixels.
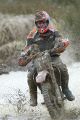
{"type": "Point", "coordinates": [22, 54]}
{"type": "Point", "coordinates": [22, 59]}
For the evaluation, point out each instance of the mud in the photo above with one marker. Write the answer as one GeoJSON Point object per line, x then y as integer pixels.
{"type": "Point", "coordinates": [14, 98]}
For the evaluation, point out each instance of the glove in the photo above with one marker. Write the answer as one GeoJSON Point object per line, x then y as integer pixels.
{"type": "Point", "coordinates": [22, 59]}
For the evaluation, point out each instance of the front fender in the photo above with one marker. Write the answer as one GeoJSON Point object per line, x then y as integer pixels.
{"type": "Point", "coordinates": [41, 77]}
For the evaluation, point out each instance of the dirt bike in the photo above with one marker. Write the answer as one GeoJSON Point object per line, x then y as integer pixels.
{"type": "Point", "coordinates": [45, 79]}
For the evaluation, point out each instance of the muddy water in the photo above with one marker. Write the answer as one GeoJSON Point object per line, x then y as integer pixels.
{"type": "Point", "coordinates": [14, 97]}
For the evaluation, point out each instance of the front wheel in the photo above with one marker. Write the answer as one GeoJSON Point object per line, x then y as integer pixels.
{"type": "Point", "coordinates": [54, 109]}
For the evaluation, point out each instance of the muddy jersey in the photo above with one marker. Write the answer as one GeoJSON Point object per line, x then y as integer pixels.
{"type": "Point", "coordinates": [46, 41]}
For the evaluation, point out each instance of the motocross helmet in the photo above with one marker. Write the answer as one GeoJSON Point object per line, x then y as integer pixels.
{"type": "Point", "coordinates": [42, 21]}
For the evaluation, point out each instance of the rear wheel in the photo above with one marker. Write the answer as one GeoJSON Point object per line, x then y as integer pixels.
{"type": "Point", "coordinates": [55, 110]}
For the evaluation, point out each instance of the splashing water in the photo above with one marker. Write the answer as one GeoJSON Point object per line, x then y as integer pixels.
{"type": "Point", "coordinates": [14, 97]}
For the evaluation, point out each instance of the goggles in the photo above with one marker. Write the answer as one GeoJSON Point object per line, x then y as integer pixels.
{"type": "Point", "coordinates": [41, 24]}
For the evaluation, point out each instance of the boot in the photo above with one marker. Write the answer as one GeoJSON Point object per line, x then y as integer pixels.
{"type": "Point", "coordinates": [66, 91]}
{"type": "Point", "coordinates": [33, 98]}
{"type": "Point", "coordinates": [32, 89]}
{"type": "Point", "coordinates": [65, 82]}
{"type": "Point", "coordinates": [68, 94]}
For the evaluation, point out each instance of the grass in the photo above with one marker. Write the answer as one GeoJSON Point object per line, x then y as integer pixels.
{"type": "Point", "coordinates": [60, 10]}
{"type": "Point", "coordinates": [65, 14]}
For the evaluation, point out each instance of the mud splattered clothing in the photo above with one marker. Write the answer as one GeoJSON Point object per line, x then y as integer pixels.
{"type": "Point", "coordinates": [51, 40]}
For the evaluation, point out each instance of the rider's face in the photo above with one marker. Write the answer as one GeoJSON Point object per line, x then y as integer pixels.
{"type": "Point", "coordinates": [41, 24]}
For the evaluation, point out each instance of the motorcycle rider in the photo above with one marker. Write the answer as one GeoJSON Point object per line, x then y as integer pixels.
{"type": "Point", "coordinates": [48, 39]}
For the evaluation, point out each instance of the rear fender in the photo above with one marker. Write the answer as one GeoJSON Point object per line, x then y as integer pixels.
{"type": "Point", "coordinates": [41, 77]}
